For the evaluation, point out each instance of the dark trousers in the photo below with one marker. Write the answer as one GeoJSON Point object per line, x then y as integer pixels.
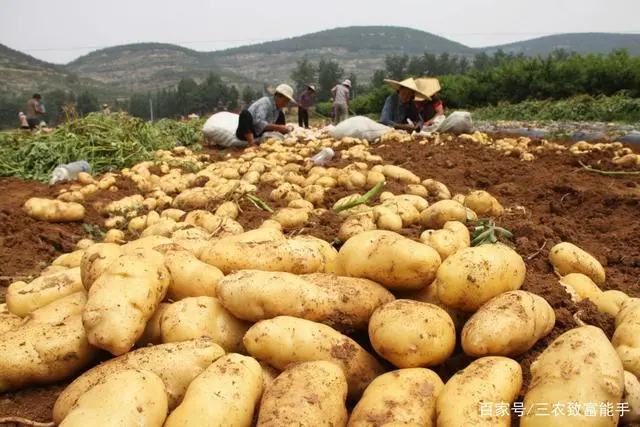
{"type": "Point", "coordinates": [33, 122]}
{"type": "Point", "coordinates": [303, 117]}
{"type": "Point", "coordinates": [245, 124]}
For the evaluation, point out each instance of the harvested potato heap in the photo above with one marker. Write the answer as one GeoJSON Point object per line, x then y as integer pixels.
{"type": "Point", "coordinates": [211, 324]}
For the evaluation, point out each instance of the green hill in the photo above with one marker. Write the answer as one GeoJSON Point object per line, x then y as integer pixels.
{"type": "Point", "coordinates": [583, 43]}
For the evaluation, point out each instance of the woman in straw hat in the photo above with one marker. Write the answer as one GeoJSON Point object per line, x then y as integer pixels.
{"type": "Point", "coordinates": [429, 106]}
{"type": "Point", "coordinates": [399, 111]}
{"type": "Point", "coordinates": [341, 94]}
{"type": "Point", "coordinates": [265, 115]}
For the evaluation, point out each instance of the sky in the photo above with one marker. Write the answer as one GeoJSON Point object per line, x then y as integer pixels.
{"type": "Point", "coordinates": [62, 30]}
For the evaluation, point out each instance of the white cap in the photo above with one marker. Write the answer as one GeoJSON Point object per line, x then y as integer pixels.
{"type": "Point", "coordinates": [347, 83]}
{"type": "Point", "coordinates": [286, 91]}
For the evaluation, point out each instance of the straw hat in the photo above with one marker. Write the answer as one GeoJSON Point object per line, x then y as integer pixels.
{"type": "Point", "coordinates": [428, 86]}
{"type": "Point", "coordinates": [347, 83]}
{"type": "Point", "coordinates": [406, 83]}
{"type": "Point", "coordinates": [312, 87]}
{"type": "Point", "coordinates": [286, 91]}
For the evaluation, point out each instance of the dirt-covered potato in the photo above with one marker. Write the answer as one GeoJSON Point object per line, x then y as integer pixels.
{"type": "Point", "coordinates": [508, 325]}
{"type": "Point", "coordinates": [390, 259]}
{"type": "Point", "coordinates": [488, 380]}
{"type": "Point", "coordinates": [70, 260]}
{"type": "Point", "coordinates": [291, 218]}
{"type": "Point", "coordinates": [356, 224]}
{"type": "Point", "coordinates": [228, 210]}
{"type": "Point", "coordinates": [54, 210]}
{"type": "Point", "coordinates": [582, 367]}
{"type": "Point", "coordinates": [225, 394]}
{"type": "Point", "coordinates": [191, 318]}
{"type": "Point", "coordinates": [123, 299]}
{"type": "Point", "coordinates": [483, 204]}
{"type": "Point", "coordinates": [96, 260]}
{"type": "Point", "coordinates": [626, 338]}
{"type": "Point", "coordinates": [472, 276]}
{"type": "Point", "coordinates": [284, 340]}
{"type": "Point", "coordinates": [177, 364]}
{"type": "Point", "coordinates": [444, 241]}
{"type": "Point", "coordinates": [22, 298]}
{"type": "Point", "coordinates": [403, 397]}
{"type": "Point", "coordinates": [401, 174]}
{"type": "Point", "coordinates": [412, 334]}
{"type": "Point", "coordinates": [114, 236]}
{"type": "Point", "coordinates": [309, 394]}
{"type": "Point", "coordinates": [439, 213]}
{"type": "Point", "coordinates": [568, 258]}
{"type": "Point", "coordinates": [436, 189]}
{"type": "Point", "coordinates": [126, 398]}
{"type": "Point", "coordinates": [344, 303]}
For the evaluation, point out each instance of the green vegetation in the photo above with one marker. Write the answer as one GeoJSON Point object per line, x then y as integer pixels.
{"type": "Point", "coordinates": [108, 143]}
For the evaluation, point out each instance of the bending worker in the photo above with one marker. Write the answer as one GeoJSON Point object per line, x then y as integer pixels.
{"type": "Point", "coordinates": [265, 115]}
{"type": "Point", "coordinates": [400, 111]}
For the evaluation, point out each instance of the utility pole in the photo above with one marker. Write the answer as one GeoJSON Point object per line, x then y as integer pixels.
{"type": "Point", "coordinates": [151, 108]}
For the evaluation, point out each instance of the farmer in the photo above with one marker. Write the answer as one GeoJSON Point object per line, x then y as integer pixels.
{"type": "Point", "coordinates": [430, 106]}
{"type": "Point", "coordinates": [304, 103]}
{"type": "Point", "coordinates": [265, 115]}
{"type": "Point", "coordinates": [399, 111]}
{"type": "Point", "coordinates": [341, 95]}
{"type": "Point", "coordinates": [105, 109]}
{"type": "Point", "coordinates": [34, 110]}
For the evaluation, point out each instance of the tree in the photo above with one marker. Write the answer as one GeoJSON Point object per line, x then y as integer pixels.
{"type": "Point", "coordinates": [186, 96]}
{"type": "Point", "coordinates": [355, 89]}
{"type": "Point", "coordinates": [329, 74]}
{"type": "Point", "coordinates": [87, 103]}
{"type": "Point", "coordinates": [303, 74]}
{"type": "Point", "coordinates": [139, 105]}
{"type": "Point", "coordinates": [249, 95]}
{"type": "Point", "coordinates": [378, 78]}
{"type": "Point", "coordinates": [396, 66]}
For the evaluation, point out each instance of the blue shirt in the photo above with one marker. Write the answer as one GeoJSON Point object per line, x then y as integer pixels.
{"type": "Point", "coordinates": [394, 112]}
{"type": "Point", "coordinates": [264, 112]}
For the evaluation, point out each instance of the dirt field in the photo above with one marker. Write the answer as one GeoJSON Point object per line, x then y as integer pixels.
{"type": "Point", "coordinates": [561, 202]}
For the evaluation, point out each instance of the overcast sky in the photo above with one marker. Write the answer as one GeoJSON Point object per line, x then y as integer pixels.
{"type": "Point", "coordinates": [61, 30]}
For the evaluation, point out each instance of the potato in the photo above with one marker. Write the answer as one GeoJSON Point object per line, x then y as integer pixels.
{"type": "Point", "coordinates": [611, 301]}
{"type": "Point", "coordinates": [581, 367]}
{"type": "Point", "coordinates": [401, 174]}
{"type": "Point", "coordinates": [213, 223]}
{"type": "Point", "coordinates": [53, 210]}
{"type": "Point", "coordinates": [387, 219]}
{"type": "Point", "coordinates": [430, 295]}
{"type": "Point", "coordinates": [114, 236]}
{"type": "Point", "coordinates": [164, 227]}
{"type": "Point", "coordinates": [291, 218]}
{"type": "Point", "coordinates": [70, 260]}
{"type": "Point", "coordinates": [472, 276]}
{"type": "Point", "coordinates": [190, 277]}
{"type": "Point", "coordinates": [356, 224]}
{"type": "Point", "coordinates": [412, 334]}
{"type": "Point", "coordinates": [8, 320]}
{"type": "Point", "coordinates": [191, 318]}
{"type": "Point", "coordinates": [461, 231]}
{"type": "Point", "coordinates": [96, 260]}
{"type": "Point", "coordinates": [489, 380]}
{"type": "Point", "coordinates": [143, 401]}
{"type": "Point", "coordinates": [137, 224]}
{"type": "Point", "coordinates": [508, 325]}
{"type": "Point", "coordinates": [228, 210]}
{"type": "Point", "coordinates": [309, 394]}
{"type": "Point", "coordinates": [284, 340]}
{"type": "Point", "coordinates": [152, 333]}
{"type": "Point", "coordinates": [344, 303]}
{"type": "Point", "coordinates": [225, 394]}
{"type": "Point", "coordinates": [286, 192]}
{"type": "Point", "coordinates": [439, 213]}
{"type": "Point", "coordinates": [52, 269]}
{"type": "Point", "coordinates": [401, 397]}
{"type": "Point", "coordinates": [144, 244]}
{"type": "Point", "coordinates": [177, 364]}
{"type": "Point", "coordinates": [123, 299]}
{"type": "Point", "coordinates": [444, 241]}
{"type": "Point", "coordinates": [568, 258]}
{"type": "Point", "coordinates": [84, 244]}
{"type": "Point", "coordinates": [390, 259]}
{"type": "Point", "coordinates": [22, 298]}
{"type": "Point", "coordinates": [352, 180]}
{"type": "Point", "coordinates": [632, 397]}
{"type": "Point", "coordinates": [436, 189]}
{"type": "Point", "coordinates": [626, 338]}
{"type": "Point", "coordinates": [269, 223]}
{"type": "Point", "coordinates": [483, 204]}
{"type": "Point", "coordinates": [417, 190]}
{"type": "Point", "coordinates": [152, 218]}
{"type": "Point", "coordinates": [374, 178]}
{"type": "Point", "coordinates": [404, 208]}
{"type": "Point", "coordinates": [300, 204]}
{"type": "Point", "coordinates": [85, 179]}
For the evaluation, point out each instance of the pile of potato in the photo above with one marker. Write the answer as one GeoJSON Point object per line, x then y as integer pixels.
{"type": "Point", "coordinates": [210, 324]}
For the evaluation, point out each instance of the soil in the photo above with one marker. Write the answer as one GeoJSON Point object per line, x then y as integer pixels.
{"type": "Point", "coordinates": [549, 200]}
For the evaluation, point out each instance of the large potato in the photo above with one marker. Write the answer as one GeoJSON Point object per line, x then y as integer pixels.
{"type": "Point", "coordinates": [412, 334]}
{"type": "Point", "coordinates": [95, 261]}
{"type": "Point", "coordinates": [190, 277]}
{"type": "Point", "coordinates": [284, 340]}
{"type": "Point", "coordinates": [508, 325]}
{"type": "Point", "coordinates": [488, 381]}
{"type": "Point", "coordinates": [390, 259]}
{"type": "Point", "coordinates": [580, 367]}
{"type": "Point", "coordinates": [401, 397]}
{"type": "Point", "coordinates": [483, 204]}
{"type": "Point", "coordinates": [344, 303]}
{"type": "Point", "coordinates": [568, 258]}
{"type": "Point", "coordinates": [191, 318]}
{"type": "Point", "coordinates": [53, 210]}
{"type": "Point", "coordinates": [310, 394]}
{"type": "Point", "coordinates": [22, 298]}
{"type": "Point", "coordinates": [123, 299]}
{"type": "Point", "coordinates": [177, 364]}
{"type": "Point", "coordinates": [125, 398]}
{"type": "Point", "coordinates": [225, 394]}
{"type": "Point", "coordinates": [439, 213]}
{"type": "Point", "coordinates": [626, 338]}
{"type": "Point", "coordinates": [472, 276]}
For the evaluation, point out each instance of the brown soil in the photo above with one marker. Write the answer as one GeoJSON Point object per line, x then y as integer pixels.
{"type": "Point", "coordinates": [561, 202]}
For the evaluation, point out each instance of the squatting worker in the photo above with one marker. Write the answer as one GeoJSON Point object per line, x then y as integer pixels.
{"type": "Point", "coordinates": [400, 111]}
{"type": "Point", "coordinates": [305, 102]}
{"type": "Point", "coordinates": [265, 115]}
{"type": "Point", "coordinates": [341, 94]}
{"type": "Point", "coordinates": [429, 106]}
{"type": "Point", "coordinates": [34, 110]}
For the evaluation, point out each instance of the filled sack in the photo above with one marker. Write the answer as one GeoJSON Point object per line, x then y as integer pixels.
{"type": "Point", "coordinates": [220, 130]}
{"type": "Point", "coordinates": [360, 127]}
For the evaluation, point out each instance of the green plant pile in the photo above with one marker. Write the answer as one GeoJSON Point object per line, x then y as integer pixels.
{"type": "Point", "coordinates": [107, 142]}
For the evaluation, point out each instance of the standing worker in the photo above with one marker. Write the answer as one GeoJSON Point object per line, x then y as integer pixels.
{"type": "Point", "coordinates": [341, 94]}
{"type": "Point", "coordinates": [265, 115]}
{"type": "Point", "coordinates": [35, 110]}
{"type": "Point", "coordinates": [305, 102]}
{"type": "Point", "coordinates": [105, 109]}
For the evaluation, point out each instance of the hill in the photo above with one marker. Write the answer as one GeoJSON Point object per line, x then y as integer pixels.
{"type": "Point", "coordinates": [583, 43]}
